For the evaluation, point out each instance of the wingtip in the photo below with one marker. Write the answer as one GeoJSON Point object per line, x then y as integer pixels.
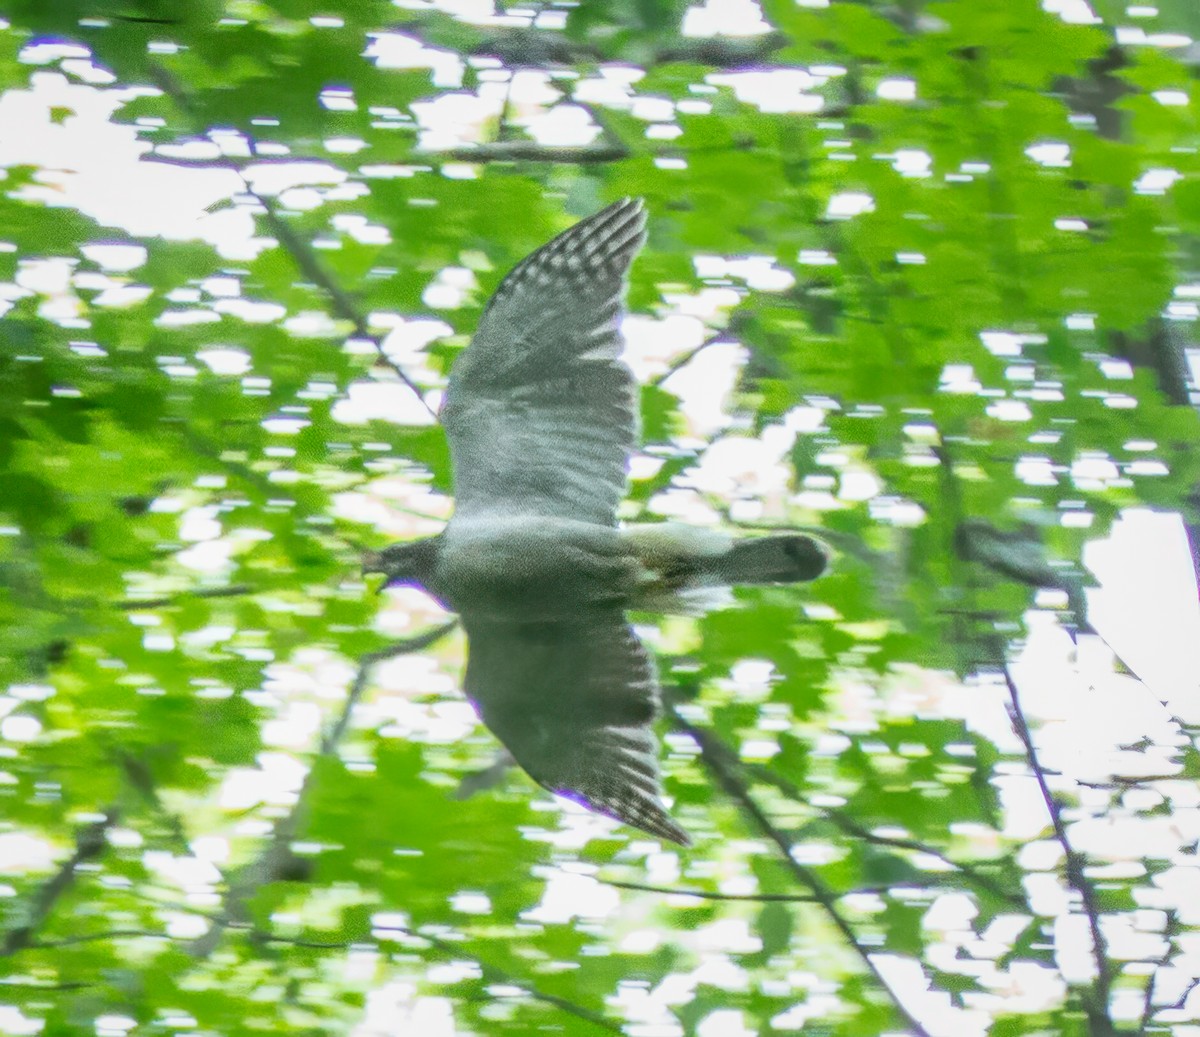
{"type": "Point", "coordinates": [647, 816]}
{"type": "Point", "coordinates": [659, 824]}
{"type": "Point", "coordinates": [651, 816]}
{"type": "Point", "coordinates": [668, 829]}
{"type": "Point", "coordinates": [643, 813]}
{"type": "Point", "coordinates": [631, 207]}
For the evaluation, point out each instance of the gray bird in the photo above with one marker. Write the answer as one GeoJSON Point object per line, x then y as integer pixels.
{"type": "Point", "coordinates": [540, 413]}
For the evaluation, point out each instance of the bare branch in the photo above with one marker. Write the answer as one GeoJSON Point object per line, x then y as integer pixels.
{"type": "Point", "coordinates": [720, 761]}
{"type": "Point", "coordinates": [1148, 1009]}
{"type": "Point", "coordinates": [852, 827]}
{"type": "Point", "coordinates": [301, 251]}
{"type": "Point", "coordinates": [277, 855]}
{"type": "Point", "coordinates": [494, 975]}
{"type": "Point", "coordinates": [491, 975]}
{"type": "Point", "coordinates": [687, 357]}
{"type": "Point", "coordinates": [762, 898]}
{"type": "Point", "coordinates": [531, 151]}
{"type": "Point", "coordinates": [1095, 1006]}
{"type": "Point", "coordinates": [110, 934]}
{"type": "Point", "coordinates": [41, 988]}
{"type": "Point", "coordinates": [1178, 1003]}
{"type": "Point", "coordinates": [416, 643]}
{"type": "Point", "coordinates": [137, 604]}
{"type": "Point", "coordinates": [89, 844]}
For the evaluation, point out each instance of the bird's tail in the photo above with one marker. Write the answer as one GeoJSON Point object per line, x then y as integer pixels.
{"type": "Point", "coordinates": [679, 560]}
{"type": "Point", "coordinates": [787, 558]}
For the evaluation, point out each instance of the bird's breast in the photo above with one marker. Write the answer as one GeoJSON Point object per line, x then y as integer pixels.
{"type": "Point", "coordinates": [533, 567]}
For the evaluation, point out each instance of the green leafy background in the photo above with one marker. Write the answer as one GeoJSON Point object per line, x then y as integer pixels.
{"type": "Point", "coordinates": [228, 789]}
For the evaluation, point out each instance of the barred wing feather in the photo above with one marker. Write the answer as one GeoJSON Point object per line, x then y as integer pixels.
{"type": "Point", "coordinates": [573, 701]}
{"type": "Point", "coordinates": [540, 410]}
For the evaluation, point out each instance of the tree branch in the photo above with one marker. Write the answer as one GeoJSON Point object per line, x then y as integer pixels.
{"type": "Point", "coordinates": [705, 894]}
{"type": "Point", "coordinates": [531, 151]}
{"type": "Point", "coordinates": [685, 358]}
{"type": "Point", "coordinates": [110, 934]}
{"type": "Point", "coordinates": [272, 862]}
{"type": "Point", "coordinates": [490, 974]}
{"type": "Point", "coordinates": [301, 251]}
{"type": "Point", "coordinates": [137, 604]}
{"type": "Point", "coordinates": [496, 975]}
{"type": "Point", "coordinates": [416, 643]}
{"type": "Point", "coordinates": [1148, 1010]}
{"type": "Point", "coordinates": [716, 756]}
{"type": "Point", "coordinates": [89, 844]}
{"type": "Point", "coordinates": [852, 827]}
{"type": "Point", "coordinates": [1095, 1006]}
{"type": "Point", "coordinates": [523, 47]}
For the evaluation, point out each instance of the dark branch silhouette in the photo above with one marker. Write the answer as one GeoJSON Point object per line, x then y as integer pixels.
{"type": "Point", "coordinates": [277, 858]}
{"type": "Point", "coordinates": [722, 764]}
{"type": "Point", "coordinates": [301, 251]}
{"type": "Point", "coordinates": [852, 827]}
{"type": "Point", "coordinates": [1095, 1005]}
{"type": "Point", "coordinates": [89, 845]}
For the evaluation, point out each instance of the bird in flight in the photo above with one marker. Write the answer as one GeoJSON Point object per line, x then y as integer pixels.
{"type": "Point", "coordinates": [541, 417]}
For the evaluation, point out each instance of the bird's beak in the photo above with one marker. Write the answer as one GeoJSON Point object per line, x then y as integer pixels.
{"type": "Point", "coordinates": [372, 564]}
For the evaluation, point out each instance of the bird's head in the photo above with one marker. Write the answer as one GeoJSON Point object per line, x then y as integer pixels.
{"type": "Point", "coordinates": [404, 564]}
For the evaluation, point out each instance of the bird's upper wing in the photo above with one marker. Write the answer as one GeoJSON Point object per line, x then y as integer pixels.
{"type": "Point", "coordinates": [572, 701]}
{"type": "Point", "coordinates": [540, 410]}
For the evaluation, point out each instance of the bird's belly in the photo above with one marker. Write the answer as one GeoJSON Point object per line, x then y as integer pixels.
{"type": "Point", "coordinates": [532, 567]}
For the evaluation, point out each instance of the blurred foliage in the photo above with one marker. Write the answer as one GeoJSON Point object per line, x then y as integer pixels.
{"type": "Point", "coordinates": [979, 338]}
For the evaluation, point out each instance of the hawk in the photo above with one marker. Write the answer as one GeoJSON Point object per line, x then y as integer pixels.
{"type": "Point", "coordinates": [540, 413]}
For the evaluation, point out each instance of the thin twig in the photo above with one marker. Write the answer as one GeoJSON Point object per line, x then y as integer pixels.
{"type": "Point", "coordinates": [702, 894]}
{"type": "Point", "coordinates": [271, 862]}
{"type": "Point", "coordinates": [687, 357]}
{"type": "Point", "coordinates": [852, 827]}
{"type": "Point", "coordinates": [499, 976]}
{"type": "Point", "coordinates": [137, 604]}
{"type": "Point", "coordinates": [1120, 781]}
{"type": "Point", "coordinates": [8, 986]}
{"type": "Point", "coordinates": [301, 251]}
{"type": "Point", "coordinates": [522, 47]}
{"type": "Point", "coordinates": [111, 934]}
{"type": "Point", "coordinates": [1148, 1010]}
{"type": "Point", "coordinates": [491, 974]}
{"type": "Point", "coordinates": [89, 844]}
{"type": "Point", "coordinates": [1178, 1003]}
{"type": "Point", "coordinates": [531, 151]}
{"type": "Point", "coordinates": [416, 643]}
{"type": "Point", "coordinates": [1074, 865]}
{"type": "Point", "coordinates": [716, 756]}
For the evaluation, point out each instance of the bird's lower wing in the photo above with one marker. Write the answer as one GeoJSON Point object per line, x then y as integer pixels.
{"type": "Point", "coordinates": [573, 702]}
